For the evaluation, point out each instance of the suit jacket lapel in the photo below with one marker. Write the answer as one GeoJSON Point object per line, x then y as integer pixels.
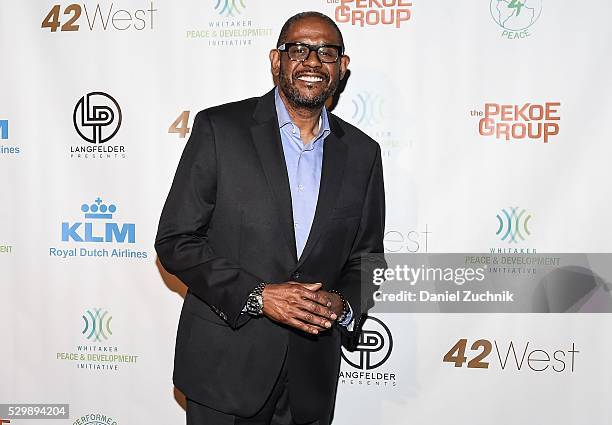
{"type": "Point", "coordinates": [332, 172]}
{"type": "Point", "coordinates": [267, 141]}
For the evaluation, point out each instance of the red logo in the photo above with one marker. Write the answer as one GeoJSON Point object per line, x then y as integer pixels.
{"type": "Point", "coordinates": [373, 12]}
{"type": "Point", "coordinates": [517, 122]}
{"type": "Point", "coordinates": [4, 421]}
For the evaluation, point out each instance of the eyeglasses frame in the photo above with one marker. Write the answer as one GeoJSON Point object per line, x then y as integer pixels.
{"type": "Point", "coordinates": [311, 48]}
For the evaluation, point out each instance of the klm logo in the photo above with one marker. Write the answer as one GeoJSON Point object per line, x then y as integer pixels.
{"type": "Point", "coordinates": [4, 129]}
{"type": "Point", "coordinates": [98, 226]}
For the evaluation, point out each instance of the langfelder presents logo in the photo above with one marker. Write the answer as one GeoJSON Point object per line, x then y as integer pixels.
{"type": "Point", "coordinates": [4, 135]}
{"type": "Point", "coordinates": [515, 17]}
{"type": "Point", "coordinates": [95, 419]}
{"type": "Point", "coordinates": [94, 352]}
{"type": "Point", "coordinates": [233, 26]}
{"type": "Point", "coordinates": [100, 17]}
{"type": "Point", "coordinates": [373, 350]}
{"type": "Point", "coordinates": [97, 227]}
{"type": "Point", "coordinates": [519, 122]}
{"type": "Point", "coordinates": [97, 119]}
{"type": "Point", "coordinates": [368, 13]}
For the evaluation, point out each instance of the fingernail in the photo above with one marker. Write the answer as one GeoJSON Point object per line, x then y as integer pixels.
{"type": "Point", "coordinates": [327, 324]}
{"type": "Point", "coordinates": [333, 316]}
{"type": "Point", "coordinates": [314, 331]}
{"type": "Point", "coordinates": [329, 303]}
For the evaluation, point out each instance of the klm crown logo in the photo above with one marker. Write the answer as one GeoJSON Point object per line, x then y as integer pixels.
{"type": "Point", "coordinates": [229, 8]}
{"type": "Point", "coordinates": [513, 224]}
{"type": "Point", "coordinates": [97, 325]}
{"type": "Point", "coordinates": [98, 230]}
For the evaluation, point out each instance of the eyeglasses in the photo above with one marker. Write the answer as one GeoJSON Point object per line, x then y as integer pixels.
{"type": "Point", "coordinates": [327, 53]}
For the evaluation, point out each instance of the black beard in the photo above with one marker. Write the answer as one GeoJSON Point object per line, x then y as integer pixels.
{"type": "Point", "coordinates": [295, 97]}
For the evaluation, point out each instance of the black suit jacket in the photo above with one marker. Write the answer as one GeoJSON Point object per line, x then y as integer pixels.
{"type": "Point", "coordinates": [227, 226]}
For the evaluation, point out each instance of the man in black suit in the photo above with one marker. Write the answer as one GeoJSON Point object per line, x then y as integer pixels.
{"type": "Point", "coordinates": [273, 205]}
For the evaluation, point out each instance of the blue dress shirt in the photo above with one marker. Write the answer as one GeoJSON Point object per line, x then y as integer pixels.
{"type": "Point", "coordinates": [304, 162]}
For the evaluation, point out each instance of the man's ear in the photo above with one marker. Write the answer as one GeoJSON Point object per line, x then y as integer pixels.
{"type": "Point", "coordinates": [344, 62]}
{"type": "Point", "coordinates": [275, 62]}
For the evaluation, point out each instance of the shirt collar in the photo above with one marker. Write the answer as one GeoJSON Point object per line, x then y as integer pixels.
{"type": "Point", "coordinates": [284, 118]}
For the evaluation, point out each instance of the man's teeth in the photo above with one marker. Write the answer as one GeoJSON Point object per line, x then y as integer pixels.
{"type": "Point", "coordinates": [310, 79]}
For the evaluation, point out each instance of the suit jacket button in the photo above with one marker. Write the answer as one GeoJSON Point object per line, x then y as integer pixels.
{"type": "Point", "coordinates": [296, 275]}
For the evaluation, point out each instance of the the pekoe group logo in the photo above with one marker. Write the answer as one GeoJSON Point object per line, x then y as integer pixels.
{"type": "Point", "coordinates": [94, 350]}
{"type": "Point", "coordinates": [373, 350]}
{"type": "Point", "coordinates": [515, 17]}
{"type": "Point", "coordinates": [97, 118]}
{"type": "Point", "coordinates": [369, 13]}
{"type": "Point", "coordinates": [519, 122]}
{"type": "Point", "coordinates": [4, 135]}
{"type": "Point", "coordinates": [100, 17]}
{"type": "Point", "coordinates": [103, 235]}
{"type": "Point", "coordinates": [230, 25]}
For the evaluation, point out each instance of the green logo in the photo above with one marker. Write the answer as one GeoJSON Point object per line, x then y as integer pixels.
{"type": "Point", "coordinates": [97, 325]}
{"type": "Point", "coordinates": [515, 15]}
{"type": "Point", "coordinates": [513, 224]}
{"type": "Point", "coordinates": [229, 8]}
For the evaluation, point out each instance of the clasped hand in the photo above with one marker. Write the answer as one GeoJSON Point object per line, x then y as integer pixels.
{"type": "Point", "coordinates": [304, 306]}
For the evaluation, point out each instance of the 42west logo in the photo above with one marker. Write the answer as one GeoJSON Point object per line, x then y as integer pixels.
{"type": "Point", "coordinates": [98, 16]}
{"type": "Point", "coordinates": [512, 356]}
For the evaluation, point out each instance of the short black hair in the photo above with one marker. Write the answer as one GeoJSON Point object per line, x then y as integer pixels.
{"type": "Point", "coordinates": [282, 37]}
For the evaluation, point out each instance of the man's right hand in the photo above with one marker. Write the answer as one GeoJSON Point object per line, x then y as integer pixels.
{"type": "Point", "coordinates": [298, 305]}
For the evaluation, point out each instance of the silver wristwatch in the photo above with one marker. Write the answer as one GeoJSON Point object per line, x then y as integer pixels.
{"type": "Point", "coordinates": [254, 304]}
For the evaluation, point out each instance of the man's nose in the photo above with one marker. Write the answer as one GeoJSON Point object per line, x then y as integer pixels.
{"type": "Point", "coordinates": [312, 59]}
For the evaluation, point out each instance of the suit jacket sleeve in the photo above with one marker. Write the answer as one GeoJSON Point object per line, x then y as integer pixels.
{"type": "Point", "coordinates": [355, 281]}
{"type": "Point", "coordinates": [182, 243]}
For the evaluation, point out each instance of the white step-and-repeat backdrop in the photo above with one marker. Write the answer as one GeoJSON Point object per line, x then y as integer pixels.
{"type": "Point", "coordinates": [493, 120]}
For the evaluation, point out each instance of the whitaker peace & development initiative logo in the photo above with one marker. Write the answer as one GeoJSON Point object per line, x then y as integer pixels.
{"type": "Point", "coordinates": [234, 28]}
{"type": "Point", "coordinates": [94, 353]}
{"type": "Point", "coordinates": [97, 325]}
{"type": "Point", "coordinates": [98, 227]}
{"type": "Point", "coordinates": [515, 17]}
{"type": "Point", "coordinates": [513, 230]}
{"type": "Point", "coordinates": [373, 350]}
{"type": "Point", "coordinates": [513, 224]}
{"type": "Point", "coordinates": [97, 119]}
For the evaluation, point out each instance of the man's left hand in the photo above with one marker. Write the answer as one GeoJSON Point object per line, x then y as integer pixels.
{"type": "Point", "coordinates": [336, 302]}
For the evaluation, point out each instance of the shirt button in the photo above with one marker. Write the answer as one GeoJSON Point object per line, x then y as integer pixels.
{"type": "Point", "coordinates": [296, 225]}
{"type": "Point", "coordinates": [301, 187]}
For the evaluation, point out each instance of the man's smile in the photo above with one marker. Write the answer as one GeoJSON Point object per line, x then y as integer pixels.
{"type": "Point", "coordinates": [311, 78]}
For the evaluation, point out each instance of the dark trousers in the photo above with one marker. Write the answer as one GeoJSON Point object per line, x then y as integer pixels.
{"type": "Point", "coordinates": [275, 411]}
